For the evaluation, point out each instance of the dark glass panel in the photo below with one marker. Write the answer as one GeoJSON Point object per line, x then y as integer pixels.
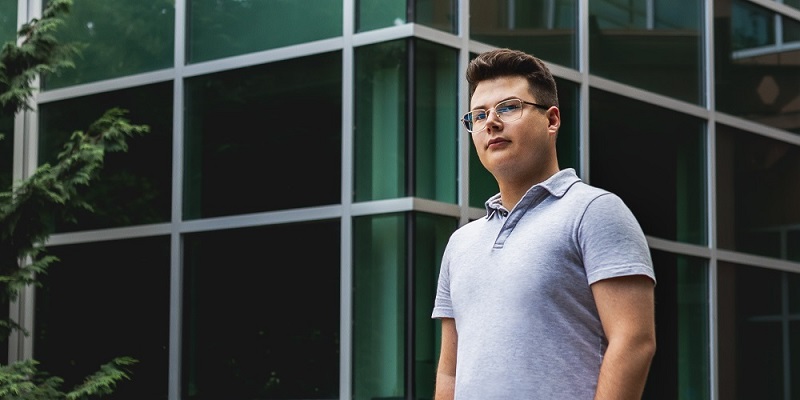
{"type": "Point", "coordinates": [756, 64]}
{"type": "Point", "coordinates": [757, 328]}
{"type": "Point", "coordinates": [6, 152]}
{"type": "Point", "coordinates": [442, 15]}
{"type": "Point", "coordinates": [544, 28]}
{"type": "Point", "coordinates": [756, 193]}
{"type": "Point", "coordinates": [217, 29]}
{"type": "Point", "coordinates": [253, 133]}
{"type": "Point", "coordinates": [257, 325]}
{"type": "Point", "coordinates": [653, 45]}
{"type": "Point", "coordinates": [105, 300]}
{"type": "Point", "coordinates": [134, 187]}
{"type": "Point", "coordinates": [117, 38]}
{"type": "Point", "coordinates": [681, 367]}
{"type": "Point", "coordinates": [654, 159]}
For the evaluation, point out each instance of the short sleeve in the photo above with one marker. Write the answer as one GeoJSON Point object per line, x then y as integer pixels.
{"type": "Point", "coordinates": [443, 306]}
{"type": "Point", "coordinates": [612, 242]}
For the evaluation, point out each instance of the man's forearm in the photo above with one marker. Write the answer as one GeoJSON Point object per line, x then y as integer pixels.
{"type": "Point", "coordinates": [623, 373]}
{"type": "Point", "coordinates": [445, 387]}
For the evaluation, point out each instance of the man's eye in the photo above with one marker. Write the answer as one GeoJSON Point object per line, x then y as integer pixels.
{"type": "Point", "coordinates": [479, 116]}
{"type": "Point", "coordinates": [506, 109]}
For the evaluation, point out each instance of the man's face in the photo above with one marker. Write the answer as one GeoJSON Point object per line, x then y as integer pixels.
{"type": "Point", "coordinates": [520, 149]}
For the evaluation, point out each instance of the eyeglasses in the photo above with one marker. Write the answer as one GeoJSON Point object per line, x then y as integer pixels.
{"type": "Point", "coordinates": [506, 110]}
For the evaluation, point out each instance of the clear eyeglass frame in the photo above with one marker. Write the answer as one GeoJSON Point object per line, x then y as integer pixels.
{"type": "Point", "coordinates": [507, 111]}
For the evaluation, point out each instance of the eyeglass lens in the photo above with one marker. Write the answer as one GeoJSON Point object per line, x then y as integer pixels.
{"type": "Point", "coordinates": [507, 111]}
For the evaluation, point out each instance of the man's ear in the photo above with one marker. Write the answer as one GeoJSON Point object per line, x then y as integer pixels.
{"type": "Point", "coordinates": [553, 119]}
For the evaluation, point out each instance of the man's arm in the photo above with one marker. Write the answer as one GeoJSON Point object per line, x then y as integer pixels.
{"type": "Point", "coordinates": [446, 372]}
{"type": "Point", "coordinates": [627, 311]}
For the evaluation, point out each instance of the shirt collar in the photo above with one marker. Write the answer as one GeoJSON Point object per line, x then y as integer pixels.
{"type": "Point", "coordinates": [557, 185]}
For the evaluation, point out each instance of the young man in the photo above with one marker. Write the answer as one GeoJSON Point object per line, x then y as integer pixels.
{"type": "Point", "coordinates": [550, 296]}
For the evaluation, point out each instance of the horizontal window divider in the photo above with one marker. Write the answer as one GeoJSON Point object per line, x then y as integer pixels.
{"type": "Point", "coordinates": [261, 219]}
{"type": "Point", "coordinates": [757, 261]}
{"type": "Point", "coordinates": [383, 35]}
{"type": "Point", "coordinates": [783, 9]}
{"type": "Point", "coordinates": [405, 204]}
{"type": "Point", "coordinates": [436, 36]}
{"type": "Point", "coordinates": [678, 247]}
{"type": "Point", "coordinates": [108, 85]}
{"type": "Point", "coordinates": [99, 235]}
{"type": "Point", "coordinates": [648, 97]}
{"type": "Point", "coordinates": [755, 127]}
{"type": "Point", "coordinates": [264, 57]}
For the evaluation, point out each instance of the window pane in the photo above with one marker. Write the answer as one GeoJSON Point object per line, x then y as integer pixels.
{"type": "Point", "coordinates": [544, 28]}
{"type": "Point", "coordinates": [374, 14]}
{"type": "Point", "coordinates": [6, 152]}
{"type": "Point", "coordinates": [243, 337]}
{"type": "Point", "coordinates": [121, 37]}
{"type": "Point", "coordinates": [431, 234]}
{"type": "Point", "coordinates": [654, 45]}
{"type": "Point", "coordinates": [442, 15]}
{"type": "Point", "coordinates": [756, 68]}
{"type": "Point", "coordinates": [482, 184]}
{"type": "Point", "coordinates": [754, 317]}
{"type": "Point", "coordinates": [8, 21]}
{"type": "Point", "coordinates": [380, 115]}
{"type": "Point", "coordinates": [379, 259]}
{"type": "Point", "coordinates": [219, 29]}
{"type": "Point", "coordinates": [757, 193]}
{"type": "Point", "coordinates": [666, 188]}
{"type": "Point", "coordinates": [436, 89]}
{"type": "Point", "coordinates": [134, 187]}
{"type": "Point", "coordinates": [253, 132]}
{"type": "Point", "coordinates": [106, 300]}
{"type": "Point", "coordinates": [680, 368]}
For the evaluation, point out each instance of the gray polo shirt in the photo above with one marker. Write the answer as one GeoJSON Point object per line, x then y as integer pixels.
{"type": "Point", "coordinates": [518, 285]}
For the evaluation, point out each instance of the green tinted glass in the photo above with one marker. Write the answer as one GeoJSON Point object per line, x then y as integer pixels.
{"type": "Point", "coordinates": [237, 161]}
{"type": "Point", "coordinates": [134, 187]}
{"type": "Point", "coordinates": [105, 300]}
{"type": "Point", "coordinates": [217, 29]}
{"type": "Point", "coordinates": [681, 366]}
{"type": "Point", "coordinates": [438, 14]}
{"type": "Point", "coordinates": [435, 128]}
{"type": "Point", "coordinates": [374, 14]}
{"type": "Point", "coordinates": [243, 338]}
{"type": "Point", "coordinates": [754, 76]}
{"type": "Point", "coordinates": [544, 28]}
{"type": "Point", "coordinates": [379, 297]}
{"type": "Point", "coordinates": [8, 21]}
{"type": "Point", "coordinates": [381, 72]}
{"type": "Point", "coordinates": [653, 45]}
{"type": "Point", "coordinates": [757, 204]}
{"type": "Point", "coordinates": [666, 189]}
{"type": "Point", "coordinates": [120, 38]}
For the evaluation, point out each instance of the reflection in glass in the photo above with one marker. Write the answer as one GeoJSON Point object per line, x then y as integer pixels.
{"type": "Point", "coordinates": [134, 187]}
{"type": "Point", "coordinates": [252, 133]}
{"type": "Point", "coordinates": [756, 64]}
{"type": "Point", "coordinates": [757, 211]}
{"type": "Point", "coordinates": [8, 21]}
{"type": "Point", "coordinates": [653, 45]}
{"type": "Point", "coordinates": [120, 38]}
{"type": "Point", "coordinates": [380, 291]}
{"type": "Point", "coordinates": [442, 15]}
{"type": "Point", "coordinates": [544, 28]}
{"type": "Point", "coordinates": [390, 160]}
{"type": "Point", "coordinates": [256, 326]}
{"type": "Point", "coordinates": [666, 188]}
{"type": "Point", "coordinates": [680, 368]}
{"type": "Point", "coordinates": [105, 300]}
{"type": "Point", "coordinates": [760, 334]}
{"type": "Point", "coordinates": [435, 129]}
{"type": "Point", "coordinates": [482, 184]}
{"type": "Point", "coordinates": [217, 29]}
{"type": "Point", "coordinates": [374, 14]}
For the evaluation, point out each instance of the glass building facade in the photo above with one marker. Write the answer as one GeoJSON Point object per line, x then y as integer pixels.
{"type": "Point", "coordinates": [689, 110]}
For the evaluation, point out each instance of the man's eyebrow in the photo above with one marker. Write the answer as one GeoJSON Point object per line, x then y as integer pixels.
{"type": "Point", "coordinates": [483, 107]}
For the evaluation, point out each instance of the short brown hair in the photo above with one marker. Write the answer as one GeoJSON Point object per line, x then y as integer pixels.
{"type": "Point", "coordinates": [506, 62]}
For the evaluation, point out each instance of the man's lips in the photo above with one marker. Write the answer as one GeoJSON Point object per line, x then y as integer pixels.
{"type": "Point", "coordinates": [496, 141]}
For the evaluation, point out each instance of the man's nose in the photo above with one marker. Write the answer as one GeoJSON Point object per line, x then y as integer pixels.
{"type": "Point", "coordinates": [493, 120]}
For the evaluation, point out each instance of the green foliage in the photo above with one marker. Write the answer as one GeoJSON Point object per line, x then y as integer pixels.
{"type": "Point", "coordinates": [23, 381]}
{"type": "Point", "coordinates": [28, 211]}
